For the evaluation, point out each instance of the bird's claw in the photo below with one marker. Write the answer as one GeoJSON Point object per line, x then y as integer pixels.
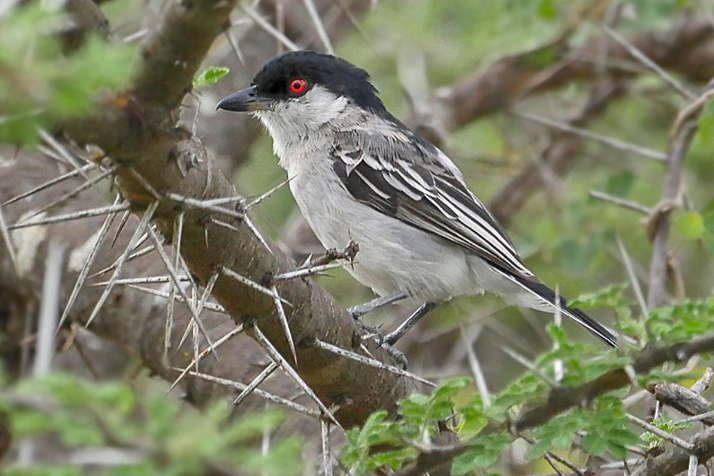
{"type": "Point", "coordinates": [373, 332]}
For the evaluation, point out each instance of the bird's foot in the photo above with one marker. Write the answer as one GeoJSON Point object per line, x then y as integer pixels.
{"type": "Point", "coordinates": [375, 333]}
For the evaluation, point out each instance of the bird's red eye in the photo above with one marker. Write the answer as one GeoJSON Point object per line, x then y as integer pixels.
{"type": "Point", "coordinates": [298, 86]}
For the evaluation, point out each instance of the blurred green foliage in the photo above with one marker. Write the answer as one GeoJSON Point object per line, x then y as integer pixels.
{"type": "Point", "coordinates": [567, 238]}
{"type": "Point", "coordinates": [164, 437]}
{"type": "Point", "coordinates": [38, 83]}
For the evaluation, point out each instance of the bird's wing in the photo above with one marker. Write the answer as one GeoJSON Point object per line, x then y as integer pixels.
{"type": "Point", "coordinates": [403, 176]}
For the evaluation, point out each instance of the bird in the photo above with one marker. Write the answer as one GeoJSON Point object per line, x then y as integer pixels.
{"type": "Point", "coordinates": [358, 173]}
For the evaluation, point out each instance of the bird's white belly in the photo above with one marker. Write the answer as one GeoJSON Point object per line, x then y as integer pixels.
{"type": "Point", "coordinates": [393, 256]}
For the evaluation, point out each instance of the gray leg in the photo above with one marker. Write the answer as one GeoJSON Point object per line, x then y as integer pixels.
{"type": "Point", "coordinates": [370, 306]}
{"type": "Point", "coordinates": [404, 327]}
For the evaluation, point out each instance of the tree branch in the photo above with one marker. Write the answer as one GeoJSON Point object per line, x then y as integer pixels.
{"type": "Point", "coordinates": [142, 137]}
{"type": "Point", "coordinates": [564, 398]}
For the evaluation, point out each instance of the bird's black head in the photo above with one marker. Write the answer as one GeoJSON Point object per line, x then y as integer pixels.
{"type": "Point", "coordinates": [294, 74]}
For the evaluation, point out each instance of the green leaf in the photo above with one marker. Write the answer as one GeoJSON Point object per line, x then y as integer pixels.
{"type": "Point", "coordinates": [283, 459]}
{"type": "Point", "coordinates": [547, 10]}
{"type": "Point", "coordinates": [690, 225]}
{"type": "Point", "coordinates": [705, 129]}
{"type": "Point", "coordinates": [421, 410]}
{"type": "Point", "coordinates": [612, 297]}
{"type": "Point", "coordinates": [620, 184]}
{"type": "Point", "coordinates": [210, 76]}
{"type": "Point", "coordinates": [483, 452]}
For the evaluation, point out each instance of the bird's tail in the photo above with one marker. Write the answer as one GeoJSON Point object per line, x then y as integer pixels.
{"type": "Point", "coordinates": [543, 294]}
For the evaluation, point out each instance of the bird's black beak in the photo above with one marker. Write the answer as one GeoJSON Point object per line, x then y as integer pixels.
{"type": "Point", "coordinates": [246, 100]}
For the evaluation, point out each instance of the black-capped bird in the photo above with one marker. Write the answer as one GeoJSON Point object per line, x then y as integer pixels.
{"type": "Point", "coordinates": [357, 173]}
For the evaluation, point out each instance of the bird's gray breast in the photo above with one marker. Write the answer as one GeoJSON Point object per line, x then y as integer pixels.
{"type": "Point", "coordinates": [393, 255]}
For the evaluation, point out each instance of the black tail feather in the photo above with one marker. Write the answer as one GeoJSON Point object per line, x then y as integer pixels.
{"type": "Point", "coordinates": [576, 314]}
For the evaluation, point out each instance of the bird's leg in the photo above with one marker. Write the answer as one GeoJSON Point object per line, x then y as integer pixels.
{"type": "Point", "coordinates": [410, 321]}
{"type": "Point", "coordinates": [374, 304]}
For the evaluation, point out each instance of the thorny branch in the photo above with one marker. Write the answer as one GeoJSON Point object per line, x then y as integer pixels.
{"type": "Point", "coordinates": [147, 152]}
{"type": "Point", "coordinates": [562, 399]}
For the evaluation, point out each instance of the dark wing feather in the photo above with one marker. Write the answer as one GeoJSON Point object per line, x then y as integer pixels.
{"type": "Point", "coordinates": [412, 181]}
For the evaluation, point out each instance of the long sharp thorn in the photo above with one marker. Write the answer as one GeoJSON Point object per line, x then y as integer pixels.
{"type": "Point", "coordinates": [50, 183]}
{"type": "Point", "coordinates": [264, 196]}
{"type": "Point", "coordinates": [155, 292]}
{"type": "Point", "coordinates": [178, 231]}
{"type": "Point", "coordinates": [298, 273]}
{"type": "Point", "coordinates": [252, 284]}
{"type": "Point", "coordinates": [122, 223]}
{"type": "Point", "coordinates": [277, 357]}
{"type": "Point", "coordinates": [172, 272]}
{"type": "Point", "coordinates": [284, 322]}
{"type": "Point", "coordinates": [73, 193]}
{"type": "Point", "coordinates": [71, 216]}
{"type": "Point", "coordinates": [205, 352]}
{"type": "Point", "coordinates": [267, 372]}
{"type": "Point", "coordinates": [142, 280]}
{"type": "Point", "coordinates": [371, 362]}
{"type": "Point", "coordinates": [88, 262]}
{"type": "Point", "coordinates": [257, 233]}
{"type": "Point", "coordinates": [205, 205]}
{"type": "Point", "coordinates": [4, 230]}
{"type": "Point", "coordinates": [143, 224]}
{"type": "Point", "coordinates": [261, 393]}
{"type": "Point", "coordinates": [145, 183]}
{"type": "Point", "coordinates": [133, 256]}
{"type": "Point", "coordinates": [201, 304]}
{"type": "Point", "coordinates": [54, 144]}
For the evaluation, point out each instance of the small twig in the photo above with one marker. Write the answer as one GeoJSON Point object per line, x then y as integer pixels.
{"type": "Point", "coordinates": [620, 202]}
{"type": "Point", "coordinates": [685, 445]}
{"type": "Point", "coordinates": [530, 366]}
{"type": "Point", "coordinates": [326, 457]}
{"type": "Point", "coordinates": [609, 141]}
{"type": "Point", "coordinates": [317, 21]}
{"type": "Point", "coordinates": [633, 278]}
{"type": "Point", "coordinates": [701, 385]}
{"type": "Point", "coordinates": [475, 366]}
{"type": "Point", "coordinates": [270, 29]}
{"type": "Point", "coordinates": [645, 60]}
{"type": "Point", "coordinates": [672, 184]}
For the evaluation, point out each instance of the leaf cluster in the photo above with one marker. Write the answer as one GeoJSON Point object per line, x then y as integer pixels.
{"type": "Point", "coordinates": [160, 435]}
